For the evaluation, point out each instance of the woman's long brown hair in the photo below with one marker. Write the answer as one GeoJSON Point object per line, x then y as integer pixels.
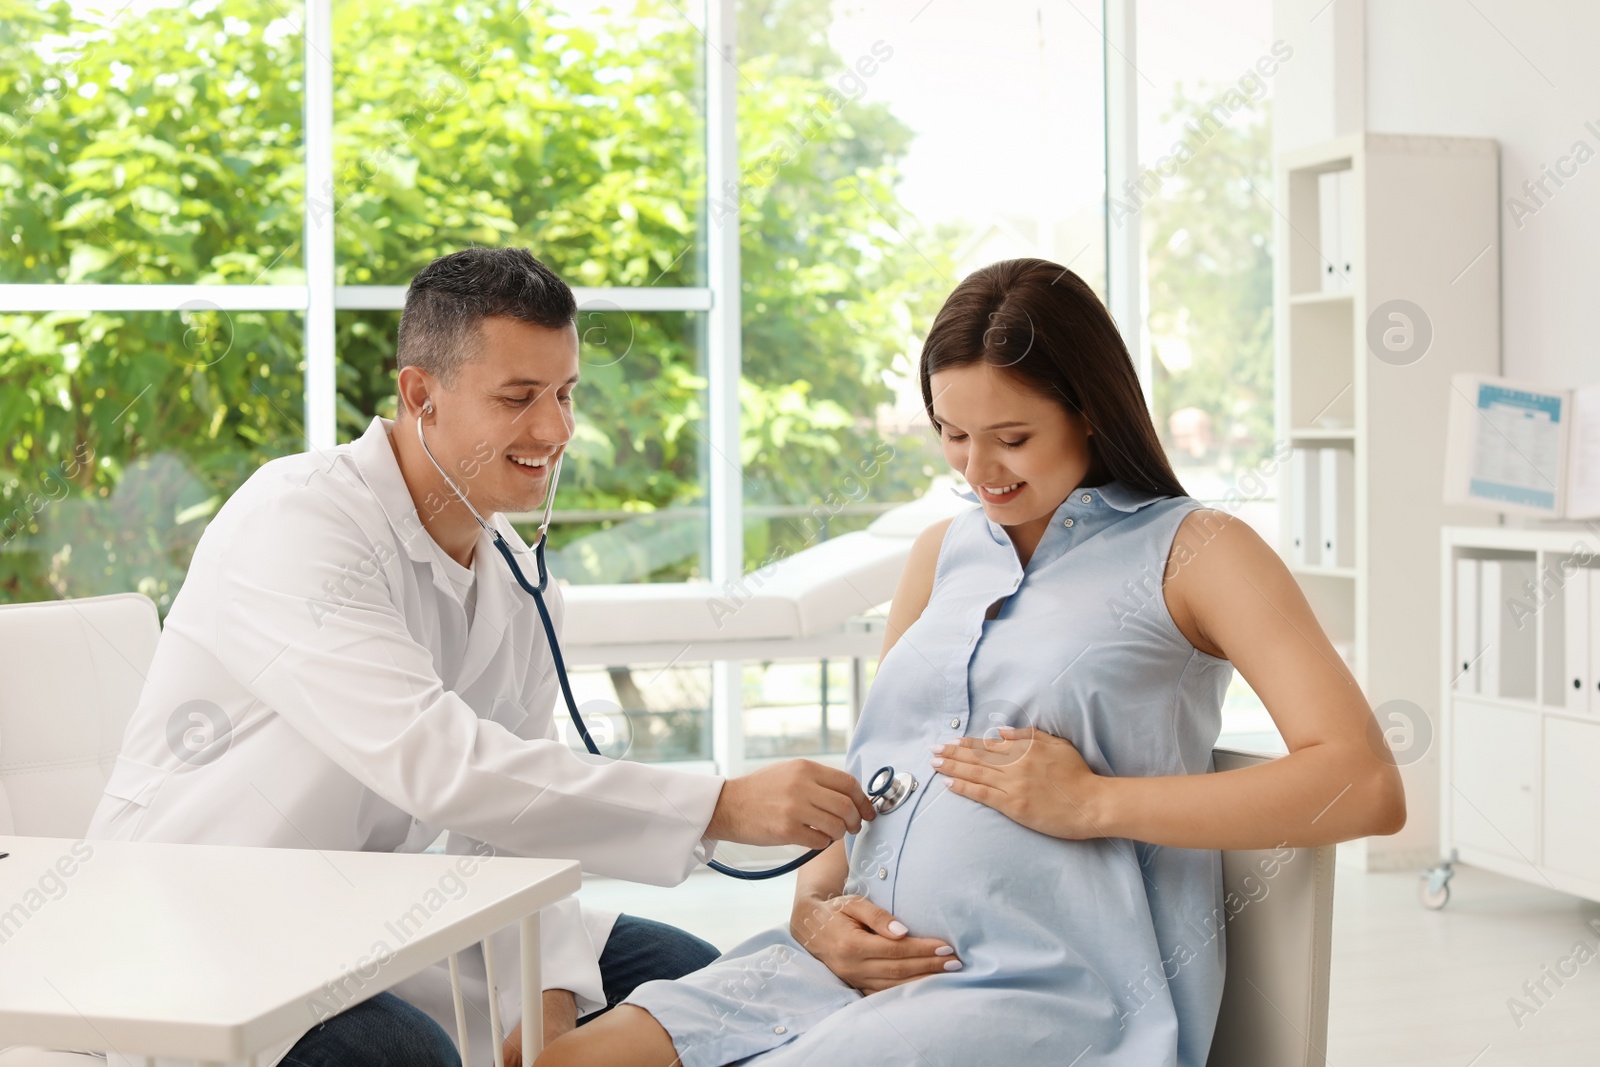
{"type": "Point", "coordinates": [1042, 323]}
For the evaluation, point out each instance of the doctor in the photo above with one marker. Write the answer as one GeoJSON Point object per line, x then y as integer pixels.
{"type": "Point", "coordinates": [349, 665]}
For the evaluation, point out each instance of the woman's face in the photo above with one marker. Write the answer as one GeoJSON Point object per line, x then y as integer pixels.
{"type": "Point", "coordinates": [1021, 452]}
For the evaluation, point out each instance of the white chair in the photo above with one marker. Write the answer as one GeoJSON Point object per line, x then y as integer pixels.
{"type": "Point", "coordinates": [1275, 996]}
{"type": "Point", "coordinates": [72, 672]}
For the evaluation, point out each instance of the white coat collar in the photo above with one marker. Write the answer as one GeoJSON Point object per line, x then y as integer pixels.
{"type": "Point", "coordinates": [499, 598]}
{"type": "Point", "coordinates": [380, 469]}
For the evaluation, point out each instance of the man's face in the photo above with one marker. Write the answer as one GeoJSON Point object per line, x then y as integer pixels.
{"type": "Point", "coordinates": [508, 415]}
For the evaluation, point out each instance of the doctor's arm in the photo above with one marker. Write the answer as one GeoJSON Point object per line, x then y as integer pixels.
{"type": "Point", "coordinates": [1232, 597]}
{"type": "Point", "coordinates": [309, 622]}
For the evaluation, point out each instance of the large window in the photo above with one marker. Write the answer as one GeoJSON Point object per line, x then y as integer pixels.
{"type": "Point", "coordinates": [141, 154]}
{"type": "Point", "coordinates": [209, 212]}
{"type": "Point", "coordinates": [125, 432]}
{"type": "Point", "coordinates": [577, 130]}
{"type": "Point", "coordinates": [1201, 203]}
{"type": "Point", "coordinates": [887, 150]}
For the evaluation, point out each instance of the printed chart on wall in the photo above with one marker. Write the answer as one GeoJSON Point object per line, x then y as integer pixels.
{"type": "Point", "coordinates": [1519, 448]}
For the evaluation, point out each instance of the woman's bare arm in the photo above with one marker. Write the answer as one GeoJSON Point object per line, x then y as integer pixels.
{"type": "Point", "coordinates": [824, 876]}
{"type": "Point", "coordinates": [1231, 596]}
{"type": "Point", "coordinates": [915, 587]}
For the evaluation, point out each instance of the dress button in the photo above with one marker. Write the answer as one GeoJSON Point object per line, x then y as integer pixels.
{"type": "Point", "coordinates": [780, 1029]}
{"type": "Point", "coordinates": [883, 872]}
{"type": "Point", "coordinates": [1086, 498]}
{"type": "Point", "coordinates": [1067, 521]}
{"type": "Point", "coordinates": [955, 724]}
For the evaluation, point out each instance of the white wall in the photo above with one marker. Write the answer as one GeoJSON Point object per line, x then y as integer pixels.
{"type": "Point", "coordinates": [1524, 73]}
{"type": "Point", "coordinates": [1521, 71]}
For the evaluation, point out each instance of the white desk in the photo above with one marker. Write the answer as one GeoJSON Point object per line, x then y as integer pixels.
{"type": "Point", "coordinates": [215, 954]}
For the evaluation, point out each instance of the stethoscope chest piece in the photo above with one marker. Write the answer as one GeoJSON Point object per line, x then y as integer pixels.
{"type": "Point", "coordinates": [889, 789]}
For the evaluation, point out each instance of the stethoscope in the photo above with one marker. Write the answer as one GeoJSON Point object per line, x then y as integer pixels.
{"type": "Point", "coordinates": [887, 788]}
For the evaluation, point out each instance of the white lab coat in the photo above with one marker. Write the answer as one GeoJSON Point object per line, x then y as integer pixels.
{"type": "Point", "coordinates": [361, 712]}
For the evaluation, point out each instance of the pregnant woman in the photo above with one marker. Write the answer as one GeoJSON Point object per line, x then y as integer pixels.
{"type": "Point", "coordinates": [1053, 676]}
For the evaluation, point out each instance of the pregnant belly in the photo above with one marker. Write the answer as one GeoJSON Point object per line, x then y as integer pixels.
{"type": "Point", "coordinates": [1008, 898]}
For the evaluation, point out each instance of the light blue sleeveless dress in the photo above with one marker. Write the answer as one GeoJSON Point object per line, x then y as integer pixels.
{"type": "Point", "coordinates": [1086, 953]}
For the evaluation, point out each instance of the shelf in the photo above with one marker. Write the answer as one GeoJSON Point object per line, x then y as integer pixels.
{"type": "Point", "coordinates": [1321, 298]}
{"type": "Point", "coordinates": [1336, 154]}
{"type": "Point", "coordinates": [1509, 703]}
{"type": "Point", "coordinates": [1323, 572]}
{"type": "Point", "coordinates": [1560, 712]}
{"type": "Point", "coordinates": [1515, 538]}
{"type": "Point", "coordinates": [1343, 434]}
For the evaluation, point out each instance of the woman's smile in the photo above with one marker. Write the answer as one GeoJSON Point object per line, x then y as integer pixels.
{"type": "Point", "coordinates": [1001, 494]}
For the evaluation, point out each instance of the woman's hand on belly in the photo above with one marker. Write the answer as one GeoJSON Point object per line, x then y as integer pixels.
{"type": "Point", "coordinates": [866, 947]}
{"type": "Point", "coordinates": [1033, 778]}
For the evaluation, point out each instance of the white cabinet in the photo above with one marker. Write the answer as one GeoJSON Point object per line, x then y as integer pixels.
{"type": "Point", "coordinates": [1494, 753]}
{"type": "Point", "coordinates": [1520, 754]}
{"type": "Point", "coordinates": [1571, 830]}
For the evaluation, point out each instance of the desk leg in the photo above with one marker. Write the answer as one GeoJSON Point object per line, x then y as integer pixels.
{"type": "Point", "coordinates": [461, 1009]}
{"type": "Point", "coordinates": [532, 994]}
{"type": "Point", "coordinates": [496, 1034]}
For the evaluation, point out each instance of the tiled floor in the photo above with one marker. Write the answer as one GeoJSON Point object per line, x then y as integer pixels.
{"type": "Point", "coordinates": [1410, 987]}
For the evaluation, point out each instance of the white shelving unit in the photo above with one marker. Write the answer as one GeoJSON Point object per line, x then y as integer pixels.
{"type": "Point", "coordinates": [1427, 232]}
{"type": "Point", "coordinates": [1517, 793]}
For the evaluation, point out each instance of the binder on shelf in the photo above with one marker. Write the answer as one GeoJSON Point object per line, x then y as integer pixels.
{"type": "Point", "coordinates": [1347, 229]}
{"type": "Point", "coordinates": [1330, 229]}
{"type": "Point", "coordinates": [1305, 498]}
{"type": "Point", "coordinates": [1519, 663]}
{"type": "Point", "coordinates": [1489, 599]}
{"type": "Point", "coordinates": [1506, 666]}
{"type": "Point", "coordinates": [1467, 647]}
{"type": "Point", "coordinates": [1577, 616]}
{"type": "Point", "coordinates": [1337, 484]}
{"type": "Point", "coordinates": [1590, 704]}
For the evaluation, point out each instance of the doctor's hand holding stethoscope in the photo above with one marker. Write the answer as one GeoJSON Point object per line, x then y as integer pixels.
{"type": "Point", "coordinates": [490, 440]}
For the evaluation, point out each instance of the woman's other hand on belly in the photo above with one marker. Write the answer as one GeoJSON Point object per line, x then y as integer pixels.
{"type": "Point", "coordinates": [1033, 778]}
{"type": "Point", "coordinates": [863, 945]}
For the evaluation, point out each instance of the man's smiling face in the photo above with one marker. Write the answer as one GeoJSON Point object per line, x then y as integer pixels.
{"type": "Point", "coordinates": [507, 416]}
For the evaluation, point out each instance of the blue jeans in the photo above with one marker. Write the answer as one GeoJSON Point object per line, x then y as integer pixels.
{"type": "Point", "coordinates": [385, 1031]}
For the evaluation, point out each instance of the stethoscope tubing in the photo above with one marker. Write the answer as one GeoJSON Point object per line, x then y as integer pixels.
{"type": "Point", "coordinates": [537, 592]}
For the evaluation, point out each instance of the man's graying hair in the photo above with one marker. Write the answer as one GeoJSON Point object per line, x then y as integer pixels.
{"type": "Point", "coordinates": [450, 296]}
